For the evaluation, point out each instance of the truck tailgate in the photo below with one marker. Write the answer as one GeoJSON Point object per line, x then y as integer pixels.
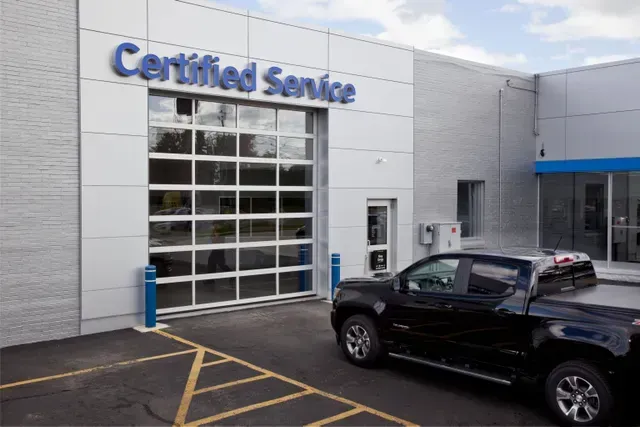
{"type": "Point", "coordinates": [626, 297]}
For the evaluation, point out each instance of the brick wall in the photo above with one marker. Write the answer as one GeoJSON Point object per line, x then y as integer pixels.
{"type": "Point", "coordinates": [39, 171]}
{"type": "Point", "coordinates": [456, 138]}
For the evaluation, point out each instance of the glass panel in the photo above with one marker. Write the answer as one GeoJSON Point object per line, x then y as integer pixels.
{"type": "Point", "coordinates": [296, 281]}
{"type": "Point", "coordinates": [215, 114]}
{"type": "Point", "coordinates": [296, 228]}
{"type": "Point", "coordinates": [163, 171]}
{"type": "Point", "coordinates": [258, 146]}
{"type": "Point", "coordinates": [377, 225]}
{"type": "Point", "coordinates": [296, 148]}
{"type": "Point", "coordinates": [489, 278]}
{"type": "Point", "coordinates": [215, 232]}
{"type": "Point", "coordinates": [163, 202]}
{"type": "Point", "coordinates": [215, 261]}
{"type": "Point", "coordinates": [590, 214]}
{"type": "Point", "coordinates": [164, 140]}
{"type": "Point", "coordinates": [295, 121]}
{"type": "Point", "coordinates": [172, 264]}
{"type": "Point", "coordinates": [464, 208]}
{"type": "Point", "coordinates": [215, 202]}
{"type": "Point", "coordinates": [169, 110]}
{"type": "Point", "coordinates": [215, 143]}
{"type": "Point", "coordinates": [257, 258]}
{"type": "Point", "coordinates": [625, 240]}
{"type": "Point", "coordinates": [296, 201]}
{"type": "Point", "coordinates": [293, 255]}
{"type": "Point", "coordinates": [433, 276]}
{"type": "Point", "coordinates": [257, 202]}
{"type": "Point", "coordinates": [257, 286]}
{"type": "Point", "coordinates": [574, 212]}
{"type": "Point", "coordinates": [556, 205]}
{"type": "Point", "coordinates": [296, 175]}
{"type": "Point", "coordinates": [215, 173]}
{"type": "Point", "coordinates": [257, 230]}
{"type": "Point", "coordinates": [257, 174]}
{"type": "Point", "coordinates": [215, 290]}
{"type": "Point", "coordinates": [173, 295]}
{"type": "Point", "coordinates": [170, 233]}
{"type": "Point", "coordinates": [256, 118]}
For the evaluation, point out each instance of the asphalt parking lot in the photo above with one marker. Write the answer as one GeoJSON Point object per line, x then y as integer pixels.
{"type": "Point", "coordinates": [272, 366]}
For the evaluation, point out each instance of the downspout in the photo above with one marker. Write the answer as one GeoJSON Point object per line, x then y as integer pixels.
{"type": "Point", "coordinates": [500, 168]}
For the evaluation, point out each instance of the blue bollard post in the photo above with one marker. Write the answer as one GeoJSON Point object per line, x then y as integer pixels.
{"type": "Point", "coordinates": [150, 296]}
{"type": "Point", "coordinates": [335, 272]}
{"type": "Point", "coordinates": [302, 275]}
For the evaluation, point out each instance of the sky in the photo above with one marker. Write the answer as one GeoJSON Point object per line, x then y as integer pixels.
{"type": "Point", "coordinates": [526, 35]}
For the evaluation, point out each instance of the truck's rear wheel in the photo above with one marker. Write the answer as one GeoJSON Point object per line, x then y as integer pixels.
{"type": "Point", "coordinates": [579, 394]}
{"type": "Point", "coordinates": [359, 341]}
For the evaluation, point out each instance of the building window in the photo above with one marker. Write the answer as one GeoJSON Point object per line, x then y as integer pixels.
{"type": "Point", "coordinates": [573, 212]}
{"type": "Point", "coordinates": [231, 211]}
{"type": "Point", "coordinates": [470, 208]}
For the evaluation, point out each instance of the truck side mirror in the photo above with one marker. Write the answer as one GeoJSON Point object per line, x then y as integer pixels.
{"type": "Point", "coordinates": [396, 283]}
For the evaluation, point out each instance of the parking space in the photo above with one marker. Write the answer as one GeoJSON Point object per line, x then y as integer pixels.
{"type": "Point", "coordinates": [278, 365]}
{"type": "Point", "coordinates": [160, 378]}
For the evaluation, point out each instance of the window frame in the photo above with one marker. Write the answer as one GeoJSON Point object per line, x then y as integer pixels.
{"type": "Point", "coordinates": [310, 242]}
{"type": "Point", "coordinates": [476, 205]}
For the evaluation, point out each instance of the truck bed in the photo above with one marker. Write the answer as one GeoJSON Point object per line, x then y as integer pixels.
{"type": "Point", "coordinates": [615, 296]}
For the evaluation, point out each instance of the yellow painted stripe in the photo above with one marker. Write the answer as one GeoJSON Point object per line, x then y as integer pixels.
{"type": "Point", "coordinates": [216, 362]}
{"type": "Point", "coordinates": [244, 409]}
{"type": "Point", "coordinates": [97, 368]}
{"type": "Point", "coordinates": [232, 383]}
{"type": "Point", "coordinates": [338, 417]}
{"type": "Point", "coordinates": [289, 380]}
{"type": "Point", "coordinates": [181, 416]}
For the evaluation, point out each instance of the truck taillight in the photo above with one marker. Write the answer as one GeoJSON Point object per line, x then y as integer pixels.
{"type": "Point", "coordinates": [563, 259]}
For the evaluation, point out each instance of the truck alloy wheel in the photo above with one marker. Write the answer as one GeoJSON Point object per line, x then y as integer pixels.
{"type": "Point", "coordinates": [359, 341]}
{"type": "Point", "coordinates": [579, 393]}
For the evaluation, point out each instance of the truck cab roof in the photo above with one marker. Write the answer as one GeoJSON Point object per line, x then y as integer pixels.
{"type": "Point", "coordinates": [540, 256]}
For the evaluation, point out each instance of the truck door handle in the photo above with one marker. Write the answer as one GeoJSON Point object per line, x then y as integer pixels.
{"type": "Point", "coordinates": [444, 306]}
{"type": "Point", "coordinates": [503, 312]}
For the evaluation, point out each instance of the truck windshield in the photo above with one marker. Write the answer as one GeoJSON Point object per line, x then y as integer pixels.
{"type": "Point", "coordinates": [558, 279]}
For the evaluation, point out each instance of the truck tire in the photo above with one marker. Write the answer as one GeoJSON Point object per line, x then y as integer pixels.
{"type": "Point", "coordinates": [359, 341]}
{"type": "Point", "coordinates": [579, 394]}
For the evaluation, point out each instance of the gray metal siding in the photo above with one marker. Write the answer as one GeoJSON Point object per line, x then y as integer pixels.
{"type": "Point", "coordinates": [456, 138]}
{"type": "Point", "coordinates": [39, 171]}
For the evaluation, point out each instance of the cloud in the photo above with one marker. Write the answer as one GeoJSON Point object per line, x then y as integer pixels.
{"type": "Point", "coordinates": [419, 23]}
{"type": "Point", "coordinates": [510, 8]}
{"type": "Point", "coordinates": [591, 60]}
{"type": "Point", "coordinates": [585, 19]}
{"type": "Point", "coordinates": [569, 53]}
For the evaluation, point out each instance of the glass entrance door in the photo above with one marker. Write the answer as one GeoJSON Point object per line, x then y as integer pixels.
{"type": "Point", "coordinates": [378, 236]}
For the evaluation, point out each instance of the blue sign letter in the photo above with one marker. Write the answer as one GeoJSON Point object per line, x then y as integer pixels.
{"type": "Point", "coordinates": [151, 66]}
{"type": "Point", "coordinates": [273, 80]}
{"type": "Point", "coordinates": [117, 58]}
{"type": "Point", "coordinates": [348, 91]}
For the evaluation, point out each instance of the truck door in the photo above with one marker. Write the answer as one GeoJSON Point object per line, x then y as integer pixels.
{"type": "Point", "coordinates": [421, 312]}
{"type": "Point", "coordinates": [490, 329]}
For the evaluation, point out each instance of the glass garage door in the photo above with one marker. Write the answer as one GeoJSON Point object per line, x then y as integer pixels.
{"type": "Point", "coordinates": [231, 212]}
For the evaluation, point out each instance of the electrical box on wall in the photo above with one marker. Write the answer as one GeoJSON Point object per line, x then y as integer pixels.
{"type": "Point", "coordinates": [446, 237]}
{"type": "Point", "coordinates": [426, 234]}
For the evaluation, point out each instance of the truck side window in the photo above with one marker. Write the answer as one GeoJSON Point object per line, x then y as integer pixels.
{"type": "Point", "coordinates": [434, 276]}
{"type": "Point", "coordinates": [492, 278]}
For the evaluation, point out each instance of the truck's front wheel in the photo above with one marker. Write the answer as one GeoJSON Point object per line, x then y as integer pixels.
{"type": "Point", "coordinates": [579, 394]}
{"type": "Point", "coordinates": [359, 340]}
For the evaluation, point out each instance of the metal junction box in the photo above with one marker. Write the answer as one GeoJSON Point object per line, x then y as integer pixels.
{"type": "Point", "coordinates": [446, 237]}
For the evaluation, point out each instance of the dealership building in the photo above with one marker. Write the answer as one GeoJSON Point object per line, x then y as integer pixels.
{"type": "Point", "coordinates": [236, 153]}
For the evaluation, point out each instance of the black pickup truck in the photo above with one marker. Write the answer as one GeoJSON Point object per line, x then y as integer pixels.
{"type": "Point", "coordinates": [502, 316]}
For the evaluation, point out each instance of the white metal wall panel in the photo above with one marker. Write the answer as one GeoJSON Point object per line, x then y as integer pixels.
{"type": "Point", "coordinates": [552, 139]}
{"type": "Point", "coordinates": [365, 131]}
{"type": "Point", "coordinates": [114, 160]}
{"type": "Point", "coordinates": [109, 211]}
{"type": "Point", "coordinates": [604, 135]}
{"type": "Point", "coordinates": [199, 27]}
{"type": "Point", "coordinates": [122, 17]}
{"type": "Point", "coordinates": [552, 98]}
{"type": "Point", "coordinates": [113, 263]}
{"type": "Point", "coordinates": [396, 172]}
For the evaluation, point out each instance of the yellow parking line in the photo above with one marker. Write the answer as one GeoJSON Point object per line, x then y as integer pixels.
{"type": "Point", "coordinates": [189, 388]}
{"type": "Point", "coordinates": [97, 368]}
{"type": "Point", "coordinates": [338, 417]}
{"type": "Point", "coordinates": [242, 410]}
{"type": "Point", "coordinates": [232, 383]}
{"type": "Point", "coordinates": [288, 380]}
{"type": "Point", "coordinates": [216, 362]}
